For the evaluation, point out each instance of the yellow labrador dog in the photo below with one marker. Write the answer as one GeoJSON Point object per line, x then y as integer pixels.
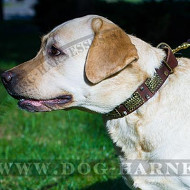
{"type": "Point", "coordinates": [90, 62]}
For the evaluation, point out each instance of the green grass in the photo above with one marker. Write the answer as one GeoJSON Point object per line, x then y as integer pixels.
{"type": "Point", "coordinates": [71, 136]}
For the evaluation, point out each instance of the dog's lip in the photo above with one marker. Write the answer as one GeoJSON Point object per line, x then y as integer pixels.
{"type": "Point", "coordinates": [41, 105]}
{"type": "Point", "coordinates": [21, 98]}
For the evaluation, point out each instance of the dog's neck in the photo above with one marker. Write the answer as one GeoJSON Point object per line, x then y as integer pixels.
{"type": "Point", "coordinates": [149, 87]}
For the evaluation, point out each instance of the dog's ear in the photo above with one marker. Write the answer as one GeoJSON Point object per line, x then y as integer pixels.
{"type": "Point", "coordinates": [110, 52]}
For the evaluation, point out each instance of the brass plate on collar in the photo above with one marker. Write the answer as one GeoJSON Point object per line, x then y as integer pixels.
{"type": "Point", "coordinates": [154, 83]}
{"type": "Point", "coordinates": [113, 113]}
{"type": "Point", "coordinates": [134, 102]}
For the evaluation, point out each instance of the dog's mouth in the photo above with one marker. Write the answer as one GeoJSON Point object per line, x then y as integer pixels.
{"type": "Point", "coordinates": [33, 105]}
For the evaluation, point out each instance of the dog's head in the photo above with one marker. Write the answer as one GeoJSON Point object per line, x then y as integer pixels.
{"type": "Point", "coordinates": [79, 65]}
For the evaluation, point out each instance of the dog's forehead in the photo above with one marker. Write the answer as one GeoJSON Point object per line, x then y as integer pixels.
{"type": "Point", "coordinates": [72, 30]}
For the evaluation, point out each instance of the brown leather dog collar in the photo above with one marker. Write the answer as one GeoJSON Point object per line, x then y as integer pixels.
{"type": "Point", "coordinates": [147, 89]}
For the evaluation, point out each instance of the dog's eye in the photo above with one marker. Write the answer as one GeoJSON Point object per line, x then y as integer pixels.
{"type": "Point", "coordinates": [53, 51]}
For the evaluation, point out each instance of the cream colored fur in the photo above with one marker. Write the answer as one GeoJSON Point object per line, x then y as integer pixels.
{"type": "Point", "coordinates": [160, 129]}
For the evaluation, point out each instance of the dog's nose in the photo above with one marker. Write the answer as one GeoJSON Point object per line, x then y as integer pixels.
{"type": "Point", "coordinates": [9, 79]}
{"type": "Point", "coordinates": [6, 77]}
